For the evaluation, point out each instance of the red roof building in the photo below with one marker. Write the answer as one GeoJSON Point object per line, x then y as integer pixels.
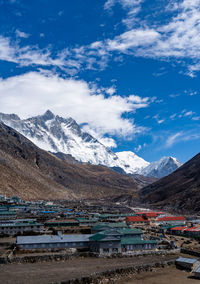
{"type": "Point", "coordinates": [171, 218]}
{"type": "Point", "coordinates": [192, 231]}
{"type": "Point", "coordinates": [178, 228]}
{"type": "Point", "coordinates": [136, 219]}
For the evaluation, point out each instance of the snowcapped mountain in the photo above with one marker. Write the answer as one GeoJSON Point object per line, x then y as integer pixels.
{"type": "Point", "coordinates": [161, 168]}
{"type": "Point", "coordinates": [130, 162]}
{"type": "Point", "coordinates": [57, 134]}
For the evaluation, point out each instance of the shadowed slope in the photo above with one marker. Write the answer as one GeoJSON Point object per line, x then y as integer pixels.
{"type": "Point", "coordinates": [180, 190]}
{"type": "Point", "coordinates": [32, 173]}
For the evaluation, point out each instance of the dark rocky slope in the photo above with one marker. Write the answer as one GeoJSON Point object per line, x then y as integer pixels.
{"type": "Point", "coordinates": [179, 191]}
{"type": "Point", "coordinates": [32, 173]}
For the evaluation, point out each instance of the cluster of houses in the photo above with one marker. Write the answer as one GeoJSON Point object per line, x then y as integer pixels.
{"type": "Point", "coordinates": [46, 226]}
{"type": "Point", "coordinates": [155, 218]}
{"type": "Point", "coordinates": [189, 264]}
{"type": "Point", "coordinates": [20, 226]}
{"type": "Point", "coordinates": [191, 232]}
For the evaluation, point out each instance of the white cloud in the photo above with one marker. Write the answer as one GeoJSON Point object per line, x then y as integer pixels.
{"type": "Point", "coordinates": [132, 7]}
{"type": "Point", "coordinates": [181, 137]}
{"type": "Point", "coordinates": [106, 141]}
{"type": "Point", "coordinates": [138, 100]}
{"type": "Point", "coordinates": [193, 93]}
{"type": "Point", "coordinates": [178, 38]}
{"type": "Point", "coordinates": [192, 69]}
{"type": "Point", "coordinates": [137, 149]}
{"type": "Point", "coordinates": [126, 4]}
{"type": "Point", "coordinates": [159, 121]}
{"type": "Point", "coordinates": [173, 139]}
{"type": "Point", "coordinates": [21, 34]}
{"type": "Point", "coordinates": [7, 52]}
{"type": "Point", "coordinates": [128, 41]}
{"type": "Point", "coordinates": [174, 95]}
{"type": "Point", "coordinates": [109, 4]}
{"type": "Point", "coordinates": [184, 114]}
{"type": "Point", "coordinates": [28, 55]}
{"type": "Point", "coordinates": [33, 93]}
{"type": "Point", "coordinates": [189, 113]}
{"type": "Point", "coordinates": [196, 118]}
{"type": "Point", "coordinates": [173, 116]}
{"type": "Point", "coordinates": [110, 91]}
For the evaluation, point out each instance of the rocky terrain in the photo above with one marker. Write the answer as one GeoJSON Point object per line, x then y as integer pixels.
{"type": "Point", "coordinates": [179, 191]}
{"type": "Point", "coordinates": [32, 173]}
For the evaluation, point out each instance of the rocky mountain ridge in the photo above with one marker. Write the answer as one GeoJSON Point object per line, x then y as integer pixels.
{"type": "Point", "coordinates": [63, 135]}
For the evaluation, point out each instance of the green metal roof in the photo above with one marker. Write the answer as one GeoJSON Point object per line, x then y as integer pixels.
{"type": "Point", "coordinates": [122, 231]}
{"type": "Point", "coordinates": [134, 241]}
{"type": "Point", "coordinates": [103, 226]}
{"type": "Point", "coordinates": [7, 213]}
{"type": "Point", "coordinates": [103, 237]}
{"type": "Point", "coordinates": [130, 231]}
{"type": "Point", "coordinates": [83, 220]}
{"type": "Point", "coordinates": [117, 225]}
{"type": "Point", "coordinates": [98, 237]}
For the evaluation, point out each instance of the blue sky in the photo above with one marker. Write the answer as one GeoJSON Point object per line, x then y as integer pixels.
{"type": "Point", "coordinates": [126, 70]}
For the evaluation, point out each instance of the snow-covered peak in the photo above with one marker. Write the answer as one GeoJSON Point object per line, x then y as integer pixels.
{"type": "Point", "coordinates": [161, 168]}
{"type": "Point", "coordinates": [47, 115]}
{"type": "Point", "coordinates": [57, 134]}
{"type": "Point", "coordinates": [131, 162]}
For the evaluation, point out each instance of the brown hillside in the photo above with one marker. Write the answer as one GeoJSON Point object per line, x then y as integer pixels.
{"type": "Point", "coordinates": [31, 173]}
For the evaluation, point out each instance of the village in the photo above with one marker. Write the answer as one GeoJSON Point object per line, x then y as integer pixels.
{"type": "Point", "coordinates": [48, 229]}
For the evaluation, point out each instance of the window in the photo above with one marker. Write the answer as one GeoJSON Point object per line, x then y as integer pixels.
{"type": "Point", "coordinates": [106, 250]}
{"type": "Point", "coordinates": [115, 249]}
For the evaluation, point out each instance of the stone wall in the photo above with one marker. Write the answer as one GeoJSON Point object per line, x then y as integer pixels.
{"type": "Point", "coordinates": [41, 258]}
{"type": "Point", "coordinates": [62, 257]}
{"type": "Point", "coordinates": [110, 276]}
